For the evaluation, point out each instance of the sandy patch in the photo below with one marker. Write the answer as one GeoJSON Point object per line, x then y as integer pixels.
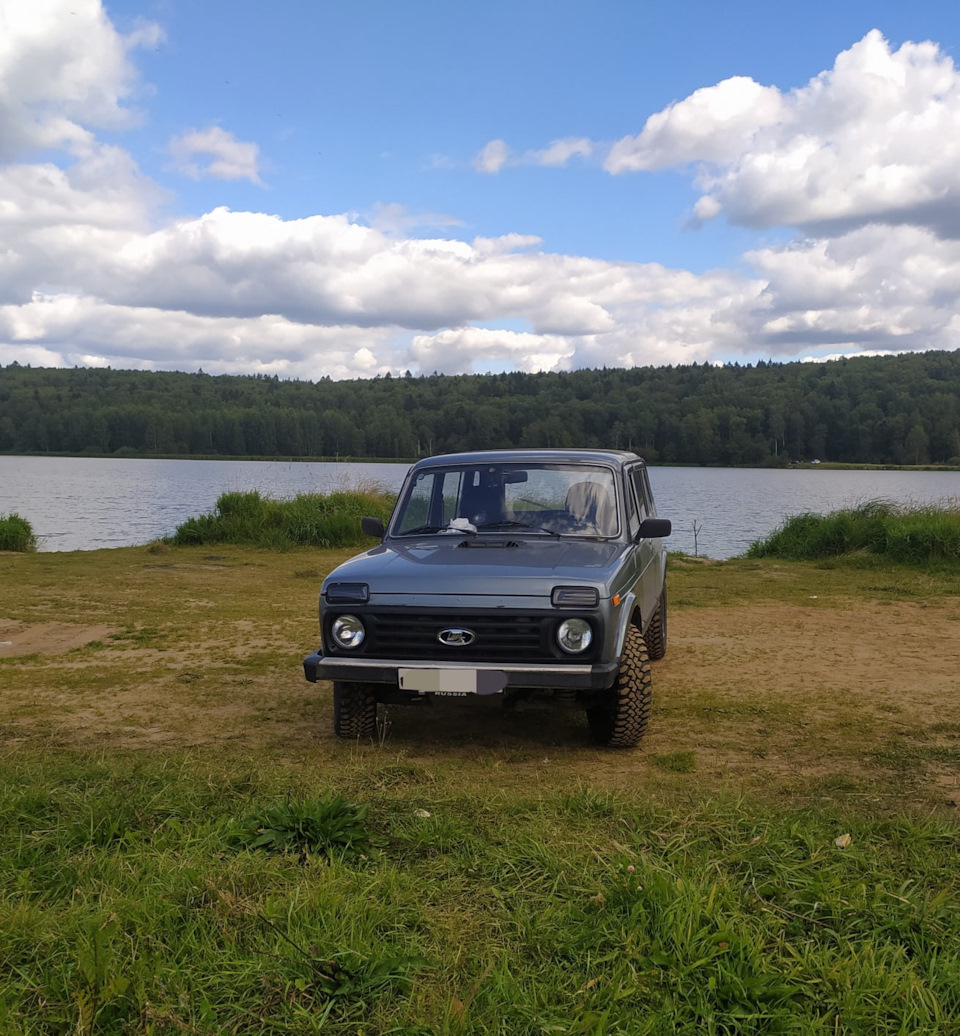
{"type": "Point", "coordinates": [902, 657]}
{"type": "Point", "coordinates": [47, 638]}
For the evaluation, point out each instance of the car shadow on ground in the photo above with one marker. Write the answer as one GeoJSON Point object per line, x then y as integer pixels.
{"type": "Point", "coordinates": [483, 723]}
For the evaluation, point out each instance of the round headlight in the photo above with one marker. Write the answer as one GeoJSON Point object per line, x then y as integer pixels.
{"type": "Point", "coordinates": [348, 631]}
{"type": "Point", "coordinates": [574, 635]}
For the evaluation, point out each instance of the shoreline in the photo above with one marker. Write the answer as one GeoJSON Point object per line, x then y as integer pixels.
{"type": "Point", "coordinates": [284, 459]}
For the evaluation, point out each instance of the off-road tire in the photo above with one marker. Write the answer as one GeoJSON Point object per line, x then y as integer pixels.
{"type": "Point", "coordinates": [656, 635]}
{"type": "Point", "coordinates": [354, 711]}
{"type": "Point", "coordinates": [619, 720]}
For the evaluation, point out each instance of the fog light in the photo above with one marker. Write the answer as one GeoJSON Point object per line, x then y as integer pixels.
{"type": "Point", "coordinates": [348, 631]}
{"type": "Point", "coordinates": [574, 636]}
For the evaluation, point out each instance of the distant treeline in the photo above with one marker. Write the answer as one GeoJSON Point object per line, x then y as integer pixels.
{"type": "Point", "coordinates": [880, 410]}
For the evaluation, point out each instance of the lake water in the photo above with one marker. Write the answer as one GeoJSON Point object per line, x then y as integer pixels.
{"type": "Point", "coordinates": [85, 503]}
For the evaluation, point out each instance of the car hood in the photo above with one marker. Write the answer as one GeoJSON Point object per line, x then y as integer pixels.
{"type": "Point", "coordinates": [482, 565]}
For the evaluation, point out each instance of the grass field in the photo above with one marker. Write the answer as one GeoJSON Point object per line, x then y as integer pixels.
{"type": "Point", "coordinates": [187, 849]}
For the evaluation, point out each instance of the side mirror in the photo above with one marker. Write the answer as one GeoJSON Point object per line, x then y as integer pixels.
{"type": "Point", "coordinates": [654, 528]}
{"type": "Point", "coordinates": [374, 527]}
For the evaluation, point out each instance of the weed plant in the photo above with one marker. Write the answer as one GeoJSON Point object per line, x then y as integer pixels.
{"type": "Point", "coordinates": [16, 534]}
{"type": "Point", "coordinates": [327, 824]}
{"type": "Point", "coordinates": [122, 910]}
{"type": "Point", "coordinates": [910, 535]}
{"type": "Point", "coordinates": [309, 520]}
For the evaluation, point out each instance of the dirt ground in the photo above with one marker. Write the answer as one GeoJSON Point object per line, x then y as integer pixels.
{"type": "Point", "coordinates": [755, 696]}
{"type": "Point", "coordinates": [18, 638]}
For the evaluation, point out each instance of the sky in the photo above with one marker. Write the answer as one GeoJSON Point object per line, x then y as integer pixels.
{"type": "Point", "coordinates": [349, 188]}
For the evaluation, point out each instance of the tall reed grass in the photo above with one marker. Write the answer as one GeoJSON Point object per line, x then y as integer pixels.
{"type": "Point", "coordinates": [17, 534]}
{"type": "Point", "coordinates": [906, 534]}
{"type": "Point", "coordinates": [309, 520]}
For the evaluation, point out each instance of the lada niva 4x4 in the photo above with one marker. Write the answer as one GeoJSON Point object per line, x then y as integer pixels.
{"type": "Point", "coordinates": [527, 574]}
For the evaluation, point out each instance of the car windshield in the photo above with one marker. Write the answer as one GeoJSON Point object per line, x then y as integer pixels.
{"type": "Point", "coordinates": [548, 499]}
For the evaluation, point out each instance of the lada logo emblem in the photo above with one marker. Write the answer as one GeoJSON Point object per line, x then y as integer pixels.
{"type": "Point", "coordinates": [456, 637]}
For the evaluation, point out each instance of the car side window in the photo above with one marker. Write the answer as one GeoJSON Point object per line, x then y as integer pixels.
{"type": "Point", "coordinates": [433, 500]}
{"type": "Point", "coordinates": [648, 493]}
{"type": "Point", "coordinates": [639, 478]}
{"type": "Point", "coordinates": [633, 518]}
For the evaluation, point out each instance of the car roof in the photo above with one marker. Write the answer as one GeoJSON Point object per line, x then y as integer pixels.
{"type": "Point", "coordinates": [616, 457]}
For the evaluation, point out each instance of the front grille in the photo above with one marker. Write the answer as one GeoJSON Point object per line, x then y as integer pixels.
{"type": "Point", "coordinates": [502, 636]}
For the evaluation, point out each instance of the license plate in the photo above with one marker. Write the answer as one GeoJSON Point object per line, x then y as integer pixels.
{"type": "Point", "coordinates": [452, 682]}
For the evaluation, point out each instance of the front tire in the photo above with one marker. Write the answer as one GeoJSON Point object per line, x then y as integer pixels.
{"type": "Point", "coordinates": [656, 635]}
{"type": "Point", "coordinates": [354, 711]}
{"type": "Point", "coordinates": [620, 718]}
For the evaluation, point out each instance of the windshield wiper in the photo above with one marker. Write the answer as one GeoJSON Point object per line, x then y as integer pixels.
{"type": "Point", "coordinates": [510, 523]}
{"type": "Point", "coordinates": [437, 528]}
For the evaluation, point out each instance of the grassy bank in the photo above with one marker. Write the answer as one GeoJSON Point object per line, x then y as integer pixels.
{"type": "Point", "coordinates": [176, 859]}
{"type": "Point", "coordinates": [909, 535]}
{"type": "Point", "coordinates": [309, 520]}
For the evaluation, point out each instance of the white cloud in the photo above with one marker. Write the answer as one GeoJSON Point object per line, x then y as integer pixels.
{"type": "Point", "coordinates": [874, 139]}
{"type": "Point", "coordinates": [55, 223]}
{"type": "Point", "coordinates": [215, 153]}
{"type": "Point", "coordinates": [393, 218]}
{"type": "Point", "coordinates": [457, 350]}
{"type": "Point", "coordinates": [492, 158]}
{"type": "Point", "coordinates": [496, 154]}
{"type": "Point", "coordinates": [63, 69]}
{"type": "Point", "coordinates": [65, 330]}
{"type": "Point", "coordinates": [875, 288]}
{"type": "Point", "coordinates": [714, 124]}
{"type": "Point", "coordinates": [234, 289]}
{"type": "Point", "coordinates": [245, 291]}
{"type": "Point", "coordinates": [559, 152]}
{"type": "Point", "coordinates": [92, 272]}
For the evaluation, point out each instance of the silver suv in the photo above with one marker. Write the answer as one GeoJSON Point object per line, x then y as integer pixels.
{"type": "Point", "coordinates": [517, 573]}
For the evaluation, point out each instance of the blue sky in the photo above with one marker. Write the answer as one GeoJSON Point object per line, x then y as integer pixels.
{"type": "Point", "coordinates": [355, 187]}
{"type": "Point", "coordinates": [355, 105]}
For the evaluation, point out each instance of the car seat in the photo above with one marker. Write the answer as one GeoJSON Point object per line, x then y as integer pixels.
{"type": "Point", "coordinates": [590, 504]}
{"type": "Point", "coordinates": [482, 500]}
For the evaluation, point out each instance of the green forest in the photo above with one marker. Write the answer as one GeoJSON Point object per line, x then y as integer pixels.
{"type": "Point", "coordinates": [867, 410]}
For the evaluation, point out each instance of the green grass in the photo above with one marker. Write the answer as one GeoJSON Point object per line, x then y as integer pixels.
{"type": "Point", "coordinates": [309, 520]}
{"type": "Point", "coordinates": [187, 850]}
{"type": "Point", "coordinates": [909, 535]}
{"type": "Point", "coordinates": [676, 762]}
{"type": "Point", "coordinates": [16, 534]}
{"type": "Point", "coordinates": [126, 906]}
